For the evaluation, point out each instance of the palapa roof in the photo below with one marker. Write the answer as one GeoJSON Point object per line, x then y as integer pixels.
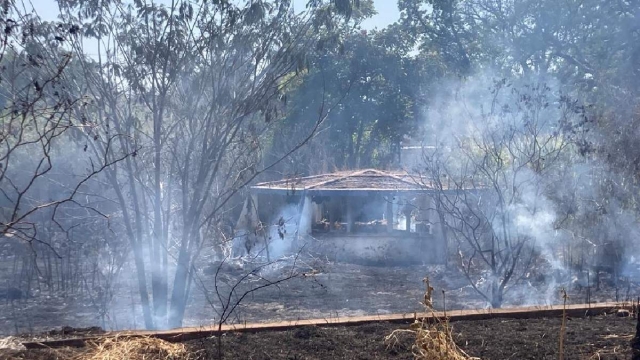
{"type": "Point", "coordinates": [347, 183]}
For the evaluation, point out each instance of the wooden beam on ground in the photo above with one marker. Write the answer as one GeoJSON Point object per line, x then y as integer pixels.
{"type": "Point", "coordinates": [184, 334]}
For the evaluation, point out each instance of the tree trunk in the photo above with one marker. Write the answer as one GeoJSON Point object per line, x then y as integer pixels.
{"type": "Point", "coordinates": [178, 295]}
{"type": "Point", "coordinates": [158, 247]}
{"type": "Point", "coordinates": [135, 238]}
{"type": "Point", "coordinates": [355, 160]}
{"type": "Point", "coordinates": [142, 285]}
{"type": "Point", "coordinates": [496, 295]}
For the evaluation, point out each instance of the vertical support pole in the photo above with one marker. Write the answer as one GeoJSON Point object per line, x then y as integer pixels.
{"type": "Point", "coordinates": [350, 217]}
{"type": "Point", "coordinates": [318, 212]}
{"type": "Point", "coordinates": [438, 227]}
{"type": "Point", "coordinates": [306, 216]}
{"type": "Point", "coordinates": [389, 213]}
{"type": "Point", "coordinates": [330, 217]}
{"type": "Point", "coordinates": [407, 215]}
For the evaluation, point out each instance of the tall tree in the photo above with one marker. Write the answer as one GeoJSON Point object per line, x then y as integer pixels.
{"type": "Point", "coordinates": [194, 85]}
{"type": "Point", "coordinates": [385, 83]}
{"type": "Point", "coordinates": [588, 44]}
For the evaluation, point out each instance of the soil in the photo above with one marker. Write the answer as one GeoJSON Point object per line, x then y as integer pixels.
{"type": "Point", "coordinates": [329, 290]}
{"type": "Point", "coordinates": [602, 337]}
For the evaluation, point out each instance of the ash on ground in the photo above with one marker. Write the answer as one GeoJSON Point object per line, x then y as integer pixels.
{"type": "Point", "coordinates": [244, 290]}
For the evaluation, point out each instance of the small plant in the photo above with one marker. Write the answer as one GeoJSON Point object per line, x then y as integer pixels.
{"type": "Point", "coordinates": [433, 334]}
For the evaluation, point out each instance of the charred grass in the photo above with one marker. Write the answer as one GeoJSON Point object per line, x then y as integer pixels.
{"type": "Point", "coordinates": [601, 337]}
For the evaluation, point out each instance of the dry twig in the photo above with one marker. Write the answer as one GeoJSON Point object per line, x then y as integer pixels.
{"type": "Point", "coordinates": [433, 335]}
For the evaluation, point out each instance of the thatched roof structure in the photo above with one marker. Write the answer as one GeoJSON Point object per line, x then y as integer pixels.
{"type": "Point", "coordinates": [360, 182]}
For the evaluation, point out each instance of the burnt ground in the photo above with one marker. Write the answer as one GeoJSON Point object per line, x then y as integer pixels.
{"type": "Point", "coordinates": [602, 337]}
{"type": "Point", "coordinates": [331, 290]}
{"type": "Point", "coordinates": [488, 339]}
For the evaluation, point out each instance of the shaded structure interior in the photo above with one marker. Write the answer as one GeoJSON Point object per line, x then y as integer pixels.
{"type": "Point", "coordinates": [365, 216]}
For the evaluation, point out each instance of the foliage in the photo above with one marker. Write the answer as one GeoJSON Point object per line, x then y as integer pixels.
{"type": "Point", "coordinates": [383, 103]}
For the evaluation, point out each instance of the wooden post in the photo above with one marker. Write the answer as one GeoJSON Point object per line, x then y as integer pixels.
{"type": "Point", "coordinates": [407, 215]}
{"type": "Point", "coordinates": [330, 217]}
{"type": "Point", "coordinates": [389, 214]}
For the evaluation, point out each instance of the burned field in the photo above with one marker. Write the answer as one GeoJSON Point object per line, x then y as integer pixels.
{"type": "Point", "coordinates": [598, 337]}
{"type": "Point", "coordinates": [350, 244]}
{"type": "Point", "coordinates": [322, 290]}
{"type": "Point", "coordinates": [349, 268]}
{"type": "Point", "coordinates": [327, 290]}
{"type": "Point", "coordinates": [495, 339]}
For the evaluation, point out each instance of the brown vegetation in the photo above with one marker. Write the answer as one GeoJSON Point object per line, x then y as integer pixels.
{"type": "Point", "coordinates": [433, 339]}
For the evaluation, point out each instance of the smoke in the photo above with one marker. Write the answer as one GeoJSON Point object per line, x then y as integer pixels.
{"type": "Point", "coordinates": [516, 137]}
{"type": "Point", "coordinates": [489, 130]}
{"type": "Point", "coordinates": [285, 226]}
{"type": "Point", "coordinates": [534, 217]}
{"type": "Point", "coordinates": [273, 239]}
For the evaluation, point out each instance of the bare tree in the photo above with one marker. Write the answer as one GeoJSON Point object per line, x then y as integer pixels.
{"type": "Point", "coordinates": [490, 183]}
{"type": "Point", "coordinates": [40, 112]}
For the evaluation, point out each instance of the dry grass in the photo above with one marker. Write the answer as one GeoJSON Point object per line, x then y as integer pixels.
{"type": "Point", "coordinates": [614, 353]}
{"type": "Point", "coordinates": [133, 348]}
{"type": "Point", "coordinates": [433, 335]}
{"type": "Point", "coordinates": [11, 342]}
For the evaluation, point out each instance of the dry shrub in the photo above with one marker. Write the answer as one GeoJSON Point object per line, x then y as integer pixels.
{"type": "Point", "coordinates": [134, 348]}
{"type": "Point", "coordinates": [433, 335]}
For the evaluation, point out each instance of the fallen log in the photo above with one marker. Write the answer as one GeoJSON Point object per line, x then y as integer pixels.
{"type": "Point", "coordinates": [185, 334]}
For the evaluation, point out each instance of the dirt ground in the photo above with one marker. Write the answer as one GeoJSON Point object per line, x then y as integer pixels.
{"type": "Point", "coordinates": [602, 337]}
{"type": "Point", "coordinates": [491, 339]}
{"type": "Point", "coordinates": [333, 290]}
